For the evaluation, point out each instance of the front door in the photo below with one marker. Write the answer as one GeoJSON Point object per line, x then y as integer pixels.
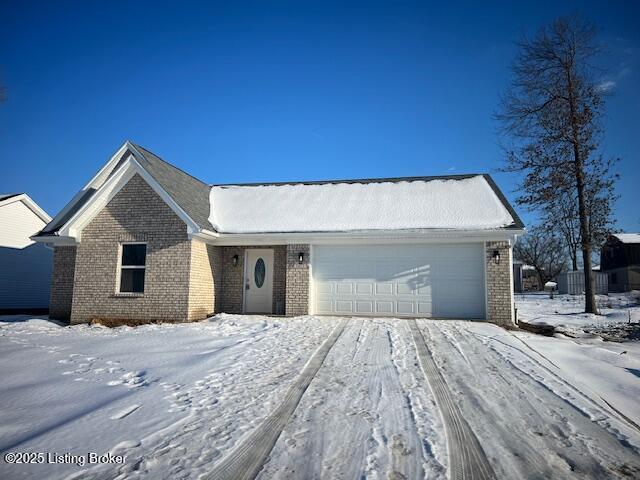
{"type": "Point", "coordinates": [258, 280]}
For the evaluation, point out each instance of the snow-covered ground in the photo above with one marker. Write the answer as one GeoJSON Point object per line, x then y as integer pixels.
{"type": "Point", "coordinates": [568, 310]}
{"type": "Point", "coordinates": [608, 370]}
{"type": "Point", "coordinates": [176, 400]}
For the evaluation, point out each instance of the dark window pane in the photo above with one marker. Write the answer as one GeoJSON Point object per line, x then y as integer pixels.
{"type": "Point", "coordinates": [259, 273]}
{"type": "Point", "coordinates": [132, 280]}
{"type": "Point", "coordinates": [134, 254]}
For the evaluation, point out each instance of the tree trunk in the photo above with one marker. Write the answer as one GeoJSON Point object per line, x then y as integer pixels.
{"type": "Point", "coordinates": [574, 258]}
{"type": "Point", "coordinates": [589, 294]}
{"type": "Point", "coordinates": [540, 280]}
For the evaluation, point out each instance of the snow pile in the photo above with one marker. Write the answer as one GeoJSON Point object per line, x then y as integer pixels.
{"type": "Point", "coordinates": [464, 204]}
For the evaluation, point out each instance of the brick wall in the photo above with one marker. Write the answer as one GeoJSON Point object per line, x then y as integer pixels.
{"type": "Point", "coordinates": [204, 280]}
{"type": "Point", "coordinates": [297, 282]}
{"type": "Point", "coordinates": [136, 213]}
{"type": "Point", "coordinates": [64, 264]}
{"type": "Point", "coordinates": [232, 287]}
{"type": "Point", "coordinates": [499, 284]}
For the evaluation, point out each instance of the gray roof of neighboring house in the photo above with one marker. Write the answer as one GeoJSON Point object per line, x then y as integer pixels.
{"type": "Point", "coordinates": [6, 196]}
{"type": "Point", "coordinates": [193, 195]}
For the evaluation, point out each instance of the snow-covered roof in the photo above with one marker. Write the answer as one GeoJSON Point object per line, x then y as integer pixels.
{"type": "Point", "coordinates": [469, 202]}
{"type": "Point", "coordinates": [457, 202]}
{"type": "Point", "coordinates": [628, 237]}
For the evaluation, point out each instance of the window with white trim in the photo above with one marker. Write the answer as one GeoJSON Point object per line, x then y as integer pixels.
{"type": "Point", "coordinates": [133, 258]}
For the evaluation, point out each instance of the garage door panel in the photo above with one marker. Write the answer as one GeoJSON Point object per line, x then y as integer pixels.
{"type": "Point", "coordinates": [363, 307]}
{"type": "Point", "coordinates": [324, 287]}
{"type": "Point", "coordinates": [384, 307]}
{"type": "Point", "coordinates": [324, 306]}
{"type": "Point", "coordinates": [395, 280]}
{"type": "Point", "coordinates": [405, 308]}
{"type": "Point", "coordinates": [364, 288]}
{"type": "Point", "coordinates": [384, 288]}
{"type": "Point", "coordinates": [425, 290]}
{"type": "Point", "coordinates": [344, 306]}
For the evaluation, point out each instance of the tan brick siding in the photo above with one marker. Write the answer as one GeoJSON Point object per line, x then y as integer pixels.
{"type": "Point", "coordinates": [204, 280]}
{"type": "Point", "coordinates": [297, 282]}
{"type": "Point", "coordinates": [136, 213]}
{"type": "Point", "coordinates": [64, 264]}
{"type": "Point", "coordinates": [499, 284]}
{"type": "Point", "coordinates": [232, 287]}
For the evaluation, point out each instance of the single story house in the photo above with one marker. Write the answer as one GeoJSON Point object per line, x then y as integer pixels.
{"type": "Point", "coordinates": [145, 240]}
{"type": "Point", "coordinates": [25, 266]}
{"type": "Point", "coordinates": [620, 260]}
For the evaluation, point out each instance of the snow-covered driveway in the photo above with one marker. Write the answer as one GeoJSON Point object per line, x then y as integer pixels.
{"type": "Point", "coordinates": [179, 400]}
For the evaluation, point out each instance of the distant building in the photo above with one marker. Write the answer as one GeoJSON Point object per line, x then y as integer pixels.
{"type": "Point", "coordinates": [620, 260]}
{"type": "Point", "coordinates": [573, 282]}
{"type": "Point", "coordinates": [525, 278]}
{"type": "Point", "coordinates": [25, 266]}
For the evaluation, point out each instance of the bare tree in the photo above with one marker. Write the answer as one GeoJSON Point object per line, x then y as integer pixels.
{"type": "Point", "coordinates": [562, 214]}
{"type": "Point", "coordinates": [551, 112]}
{"type": "Point", "coordinates": [544, 251]}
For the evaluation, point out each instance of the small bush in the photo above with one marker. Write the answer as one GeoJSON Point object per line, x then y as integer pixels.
{"type": "Point", "coordinates": [132, 322]}
{"type": "Point", "coordinates": [119, 322]}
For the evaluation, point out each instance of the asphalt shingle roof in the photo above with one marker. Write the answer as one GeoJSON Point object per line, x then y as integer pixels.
{"type": "Point", "coordinates": [190, 193]}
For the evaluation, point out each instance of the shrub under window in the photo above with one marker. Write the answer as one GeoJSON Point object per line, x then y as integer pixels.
{"type": "Point", "coordinates": [132, 267]}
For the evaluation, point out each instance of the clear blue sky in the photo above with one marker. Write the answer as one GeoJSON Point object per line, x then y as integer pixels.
{"type": "Point", "coordinates": [268, 91]}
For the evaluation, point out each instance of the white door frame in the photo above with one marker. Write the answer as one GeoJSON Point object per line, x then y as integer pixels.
{"type": "Point", "coordinates": [246, 273]}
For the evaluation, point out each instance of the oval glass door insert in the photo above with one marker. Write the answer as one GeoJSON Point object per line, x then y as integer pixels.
{"type": "Point", "coordinates": [259, 272]}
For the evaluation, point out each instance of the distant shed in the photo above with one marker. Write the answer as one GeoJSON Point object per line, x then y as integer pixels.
{"type": "Point", "coordinates": [573, 282]}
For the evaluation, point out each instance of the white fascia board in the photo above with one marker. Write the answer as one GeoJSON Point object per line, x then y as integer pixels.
{"type": "Point", "coordinates": [55, 241]}
{"type": "Point", "coordinates": [369, 237]}
{"type": "Point", "coordinates": [104, 171]}
{"type": "Point", "coordinates": [97, 202]}
{"type": "Point", "coordinates": [73, 228]}
{"type": "Point", "coordinates": [206, 236]}
{"type": "Point", "coordinates": [31, 205]}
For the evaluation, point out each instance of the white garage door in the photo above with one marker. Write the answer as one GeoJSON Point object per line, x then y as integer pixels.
{"type": "Point", "coordinates": [429, 280]}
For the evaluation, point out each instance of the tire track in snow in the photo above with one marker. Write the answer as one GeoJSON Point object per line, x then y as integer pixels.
{"type": "Point", "coordinates": [246, 460]}
{"type": "Point", "coordinates": [467, 459]}
{"type": "Point", "coordinates": [546, 435]}
{"type": "Point", "coordinates": [578, 392]}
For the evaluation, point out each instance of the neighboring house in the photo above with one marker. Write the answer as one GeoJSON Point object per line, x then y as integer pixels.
{"type": "Point", "coordinates": [518, 283]}
{"type": "Point", "coordinates": [25, 266]}
{"type": "Point", "coordinates": [144, 240]}
{"type": "Point", "coordinates": [572, 282]}
{"type": "Point", "coordinates": [620, 260]}
{"type": "Point", "coordinates": [525, 278]}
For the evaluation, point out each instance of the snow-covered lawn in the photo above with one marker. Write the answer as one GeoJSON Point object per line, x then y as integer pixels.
{"type": "Point", "coordinates": [568, 310]}
{"type": "Point", "coordinates": [176, 400]}
{"type": "Point", "coordinates": [609, 371]}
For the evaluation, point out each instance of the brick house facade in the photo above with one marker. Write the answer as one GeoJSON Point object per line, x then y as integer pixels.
{"type": "Point", "coordinates": [191, 270]}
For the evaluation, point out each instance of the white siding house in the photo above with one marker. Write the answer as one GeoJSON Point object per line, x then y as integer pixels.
{"type": "Point", "coordinates": [25, 266]}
